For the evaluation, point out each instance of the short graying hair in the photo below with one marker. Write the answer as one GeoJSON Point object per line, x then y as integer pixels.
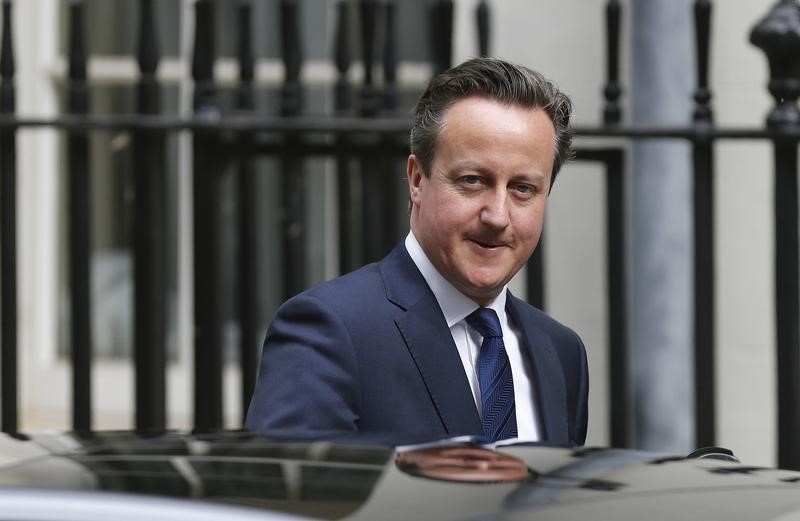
{"type": "Point", "coordinates": [497, 80]}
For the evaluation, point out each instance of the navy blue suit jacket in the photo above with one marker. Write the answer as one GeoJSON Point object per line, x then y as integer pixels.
{"type": "Point", "coordinates": [371, 352]}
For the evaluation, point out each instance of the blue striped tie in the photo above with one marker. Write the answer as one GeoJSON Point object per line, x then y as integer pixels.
{"type": "Point", "coordinates": [494, 377]}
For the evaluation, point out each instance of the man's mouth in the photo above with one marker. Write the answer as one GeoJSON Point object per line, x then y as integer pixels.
{"type": "Point", "coordinates": [488, 245]}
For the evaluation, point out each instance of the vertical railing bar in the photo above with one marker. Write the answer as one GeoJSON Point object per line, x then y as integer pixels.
{"type": "Point", "coordinates": [787, 297]}
{"type": "Point", "coordinates": [149, 245]}
{"type": "Point", "coordinates": [482, 19]}
{"type": "Point", "coordinates": [370, 102]}
{"type": "Point", "coordinates": [778, 35]}
{"type": "Point", "coordinates": [618, 352]}
{"type": "Point", "coordinates": [612, 113]}
{"type": "Point", "coordinates": [702, 95]}
{"type": "Point", "coordinates": [344, 174]}
{"type": "Point", "coordinates": [208, 345]}
{"type": "Point", "coordinates": [373, 187]}
{"type": "Point", "coordinates": [619, 377]}
{"type": "Point", "coordinates": [442, 37]}
{"type": "Point", "coordinates": [391, 215]}
{"type": "Point", "coordinates": [79, 225]}
{"type": "Point", "coordinates": [8, 232]}
{"type": "Point", "coordinates": [248, 217]}
{"type": "Point", "coordinates": [618, 347]}
{"type": "Point", "coordinates": [292, 173]}
{"type": "Point", "coordinates": [389, 58]}
{"type": "Point", "coordinates": [704, 337]}
{"type": "Point", "coordinates": [535, 275]}
{"type": "Point", "coordinates": [535, 266]}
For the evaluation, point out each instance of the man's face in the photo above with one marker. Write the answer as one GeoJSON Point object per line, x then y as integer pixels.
{"type": "Point", "coordinates": [478, 215]}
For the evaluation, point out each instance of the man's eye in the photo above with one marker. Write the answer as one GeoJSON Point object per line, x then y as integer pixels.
{"type": "Point", "coordinates": [524, 189]}
{"type": "Point", "coordinates": [471, 179]}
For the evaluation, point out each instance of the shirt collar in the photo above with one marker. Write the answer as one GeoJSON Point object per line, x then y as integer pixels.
{"type": "Point", "coordinates": [454, 305]}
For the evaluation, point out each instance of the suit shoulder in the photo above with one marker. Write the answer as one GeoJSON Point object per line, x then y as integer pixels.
{"type": "Point", "coordinates": [361, 285]}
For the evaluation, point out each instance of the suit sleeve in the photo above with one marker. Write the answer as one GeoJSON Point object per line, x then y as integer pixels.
{"type": "Point", "coordinates": [576, 377]}
{"type": "Point", "coordinates": [308, 377]}
{"type": "Point", "coordinates": [582, 395]}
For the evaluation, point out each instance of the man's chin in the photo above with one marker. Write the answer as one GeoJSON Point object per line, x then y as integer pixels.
{"type": "Point", "coordinates": [483, 293]}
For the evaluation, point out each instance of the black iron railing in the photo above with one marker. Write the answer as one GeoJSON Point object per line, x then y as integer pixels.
{"type": "Point", "coordinates": [365, 137]}
{"type": "Point", "coordinates": [79, 226]}
{"type": "Point", "coordinates": [8, 233]}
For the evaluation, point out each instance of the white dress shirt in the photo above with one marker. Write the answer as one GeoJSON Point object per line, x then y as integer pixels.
{"type": "Point", "coordinates": [456, 307]}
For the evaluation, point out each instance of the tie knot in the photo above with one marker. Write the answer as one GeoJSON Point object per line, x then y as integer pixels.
{"type": "Point", "coordinates": [485, 321]}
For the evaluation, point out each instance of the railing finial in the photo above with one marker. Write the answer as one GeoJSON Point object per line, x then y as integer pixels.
{"type": "Point", "coordinates": [389, 58]}
{"type": "Point", "coordinates": [370, 97]}
{"type": "Point", "coordinates": [291, 50]}
{"type": "Point", "coordinates": [482, 21]}
{"type": "Point", "coordinates": [612, 113]}
{"type": "Point", "coordinates": [442, 35]}
{"type": "Point", "coordinates": [702, 96]}
{"type": "Point", "coordinates": [343, 57]}
{"type": "Point", "coordinates": [7, 49]}
{"type": "Point", "coordinates": [778, 35]}
{"type": "Point", "coordinates": [203, 56]}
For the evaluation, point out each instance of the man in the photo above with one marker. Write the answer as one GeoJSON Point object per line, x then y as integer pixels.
{"type": "Point", "coordinates": [429, 341]}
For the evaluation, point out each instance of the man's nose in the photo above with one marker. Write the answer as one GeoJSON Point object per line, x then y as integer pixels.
{"type": "Point", "coordinates": [495, 209]}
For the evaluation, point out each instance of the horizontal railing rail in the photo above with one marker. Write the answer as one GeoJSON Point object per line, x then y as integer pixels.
{"type": "Point", "coordinates": [393, 126]}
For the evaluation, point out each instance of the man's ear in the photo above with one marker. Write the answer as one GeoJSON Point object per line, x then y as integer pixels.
{"type": "Point", "coordinates": [414, 174]}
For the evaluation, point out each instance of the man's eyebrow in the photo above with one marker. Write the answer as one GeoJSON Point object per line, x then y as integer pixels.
{"type": "Point", "coordinates": [469, 164]}
{"type": "Point", "coordinates": [531, 175]}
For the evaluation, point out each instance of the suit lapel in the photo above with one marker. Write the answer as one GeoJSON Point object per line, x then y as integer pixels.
{"type": "Point", "coordinates": [430, 343]}
{"type": "Point", "coordinates": [548, 377]}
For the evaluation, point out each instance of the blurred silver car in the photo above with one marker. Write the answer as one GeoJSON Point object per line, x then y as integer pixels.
{"type": "Point", "coordinates": [240, 476]}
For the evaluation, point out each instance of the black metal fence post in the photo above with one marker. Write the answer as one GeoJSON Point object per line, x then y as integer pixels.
{"type": "Point", "coordinates": [207, 324]}
{"type": "Point", "coordinates": [482, 17]}
{"type": "Point", "coordinates": [787, 282]}
{"type": "Point", "coordinates": [534, 269]}
{"type": "Point", "coordinates": [704, 302]}
{"type": "Point", "coordinates": [292, 172]}
{"type": "Point", "coordinates": [149, 239]}
{"type": "Point", "coordinates": [612, 113]}
{"type": "Point", "coordinates": [389, 58]}
{"type": "Point", "coordinates": [348, 226]}
{"type": "Point", "coordinates": [442, 35]}
{"type": "Point", "coordinates": [79, 225]}
{"type": "Point", "coordinates": [8, 233]}
{"type": "Point", "coordinates": [394, 190]}
{"type": "Point", "coordinates": [373, 186]}
{"type": "Point", "coordinates": [778, 35]}
{"type": "Point", "coordinates": [616, 260]}
{"type": "Point", "coordinates": [248, 217]}
{"type": "Point", "coordinates": [370, 97]}
{"type": "Point", "coordinates": [616, 265]}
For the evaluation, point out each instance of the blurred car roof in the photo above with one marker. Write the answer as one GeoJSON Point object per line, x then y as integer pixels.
{"type": "Point", "coordinates": [238, 475]}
